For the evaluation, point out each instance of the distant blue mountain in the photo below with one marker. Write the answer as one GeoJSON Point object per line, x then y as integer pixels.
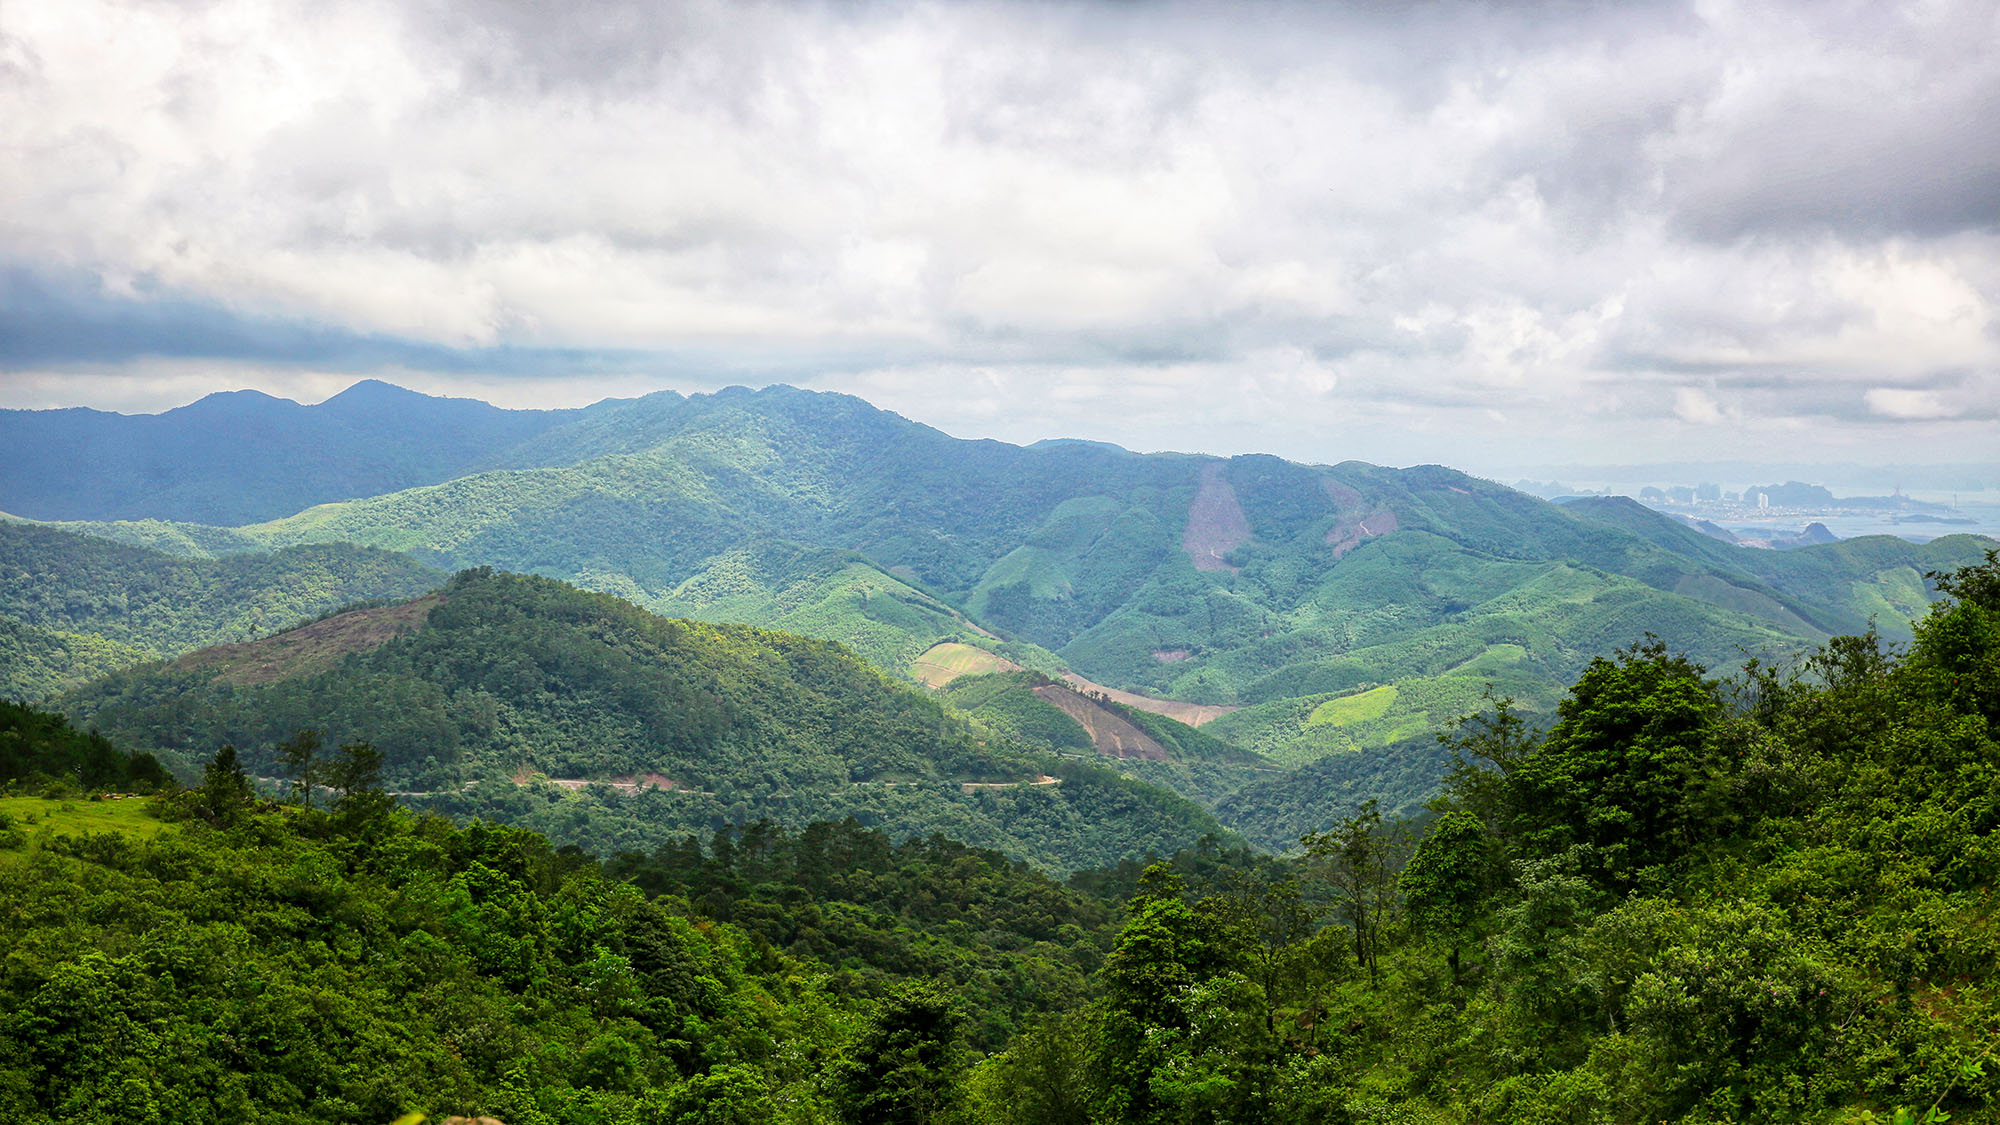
{"type": "Point", "coordinates": [243, 456]}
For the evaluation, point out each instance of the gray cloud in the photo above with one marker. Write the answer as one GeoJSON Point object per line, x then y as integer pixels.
{"type": "Point", "coordinates": [1646, 226]}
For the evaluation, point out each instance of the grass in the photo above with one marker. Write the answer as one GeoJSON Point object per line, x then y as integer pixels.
{"type": "Point", "coordinates": [944, 663]}
{"type": "Point", "coordinates": [1348, 710]}
{"type": "Point", "coordinates": [77, 816]}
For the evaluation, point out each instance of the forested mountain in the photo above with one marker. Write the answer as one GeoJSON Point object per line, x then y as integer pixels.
{"type": "Point", "coordinates": [476, 696]}
{"type": "Point", "coordinates": [1295, 592]}
{"type": "Point", "coordinates": [1331, 616]}
{"type": "Point", "coordinates": [1766, 898]}
{"type": "Point", "coordinates": [75, 606]}
{"type": "Point", "coordinates": [243, 456]}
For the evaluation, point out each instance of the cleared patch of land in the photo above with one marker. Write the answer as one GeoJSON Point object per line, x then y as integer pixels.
{"type": "Point", "coordinates": [623, 782]}
{"type": "Point", "coordinates": [941, 664]}
{"type": "Point", "coordinates": [1356, 521]}
{"type": "Point", "coordinates": [1363, 707]}
{"type": "Point", "coordinates": [976, 786]}
{"type": "Point", "coordinates": [315, 647]}
{"type": "Point", "coordinates": [1216, 524]}
{"type": "Point", "coordinates": [1193, 714]}
{"type": "Point", "coordinates": [1113, 734]}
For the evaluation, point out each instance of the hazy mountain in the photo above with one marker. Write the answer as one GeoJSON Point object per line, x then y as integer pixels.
{"type": "Point", "coordinates": [242, 456]}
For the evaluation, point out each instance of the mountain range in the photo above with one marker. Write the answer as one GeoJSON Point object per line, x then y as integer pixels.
{"type": "Point", "coordinates": [1331, 615]}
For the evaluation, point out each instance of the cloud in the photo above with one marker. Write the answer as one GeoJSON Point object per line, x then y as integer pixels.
{"type": "Point", "coordinates": [1900, 402]}
{"type": "Point", "coordinates": [1699, 407]}
{"type": "Point", "coordinates": [1616, 227]}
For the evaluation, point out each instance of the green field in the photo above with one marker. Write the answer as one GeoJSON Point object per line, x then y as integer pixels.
{"type": "Point", "coordinates": [942, 664]}
{"type": "Point", "coordinates": [32, 816]}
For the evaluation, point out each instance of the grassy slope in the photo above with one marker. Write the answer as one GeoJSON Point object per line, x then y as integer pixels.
{"type": "Point", "coordinates": [34, 816]}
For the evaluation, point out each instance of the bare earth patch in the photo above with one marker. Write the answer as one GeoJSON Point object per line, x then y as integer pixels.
{"type": "Point", "coordinates": [623, 782]}
{"type": "Point", "coordinates": [1112, 734]}
{"type": "Point", "coordinates": [1355, 522]}
{"type": "Point", "coordinates": [976, 786]}
{"type": "Point", "coordinates": [1216, 524]}
{"type": "Point", "coordinates": [312, 648]}
{"type": "Point", "coordinates": [1193, 714]}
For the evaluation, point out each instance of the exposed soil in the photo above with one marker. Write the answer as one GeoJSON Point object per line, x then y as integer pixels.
{"type": "Point", "coordinates": [1193, 714]}
{"type": "Point", "coordinates": [976, 786]}
{"type": "Point", "coordinates": [1216, 524]}
{"type": "Point", "coordinates": [312, 648]}
{"type": "Point", "coordinates": [1112, 734]}
{"type": "Point", "coordinates": [624, 782]}
{"type": "Point", "coordinates": [1356, 521]}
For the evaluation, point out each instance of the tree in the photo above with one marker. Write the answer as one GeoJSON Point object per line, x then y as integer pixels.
{"type": "Point", "coordinates": [1629, 767]}
{"type": "Point", "coordinates": [1165, 947]}
{"type": "Point", "coordinates": [355, 776]}
{"type": "Point", "coordinates": [1955, 645]}
{"type": "Point", "coordinates": [225, 788]}
{"type": "Point", "coordinates": [905, 1068]}
{"type": "Point", "coordinates": [1444, 880]}
{"type": "Point", "coordinates": [1269, 922]}
{"type": "Point", "coordinates": [1043, 1079]}
{"type": "Point", "coordinates": [1357, 858]}
{"type": "Point", "coordinates": [299, 756]}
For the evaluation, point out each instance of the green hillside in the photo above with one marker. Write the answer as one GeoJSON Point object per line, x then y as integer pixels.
{"type": "Point", "coordinates": [582, 716]}
{"type": "Point", "coordinates": [1250, 582]}
{"type": "Point", "coordinates": [830, 594]}
{"type": "Point", "coordinates": [76, 606]}
{"type": "Point", "coordinates": [1767, 899]}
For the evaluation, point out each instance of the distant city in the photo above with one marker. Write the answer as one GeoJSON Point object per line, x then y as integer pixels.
{"type": "Point", "coordinates": [1799, 514]}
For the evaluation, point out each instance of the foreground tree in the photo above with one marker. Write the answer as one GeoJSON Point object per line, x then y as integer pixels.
{"type": "Point", "coordinates": [225, 788]}
{"type": "Point", "coordinates": [907, 1065]}
{"type": "Point", "coordinates": [1358, 859]}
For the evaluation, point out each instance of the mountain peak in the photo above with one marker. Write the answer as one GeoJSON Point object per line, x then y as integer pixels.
{"type": "Point", "coordinates": [374, 394]}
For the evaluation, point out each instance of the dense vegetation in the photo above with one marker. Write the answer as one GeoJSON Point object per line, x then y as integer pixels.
{"type": "Point", "coordinates": [76, 606]}
{"type": "Point", "coordinates": [1010, 942]}
{"type": "Point", "coordinates": [40, 750]}
{"type": "Point", "coordinates": [1688, 899]}
{"type": "Point", "coordinates": [295, 966]}
{"type": "Point", "coordinates": [819, 514]}
{"type": "Point", "coordinates": [474, 694]}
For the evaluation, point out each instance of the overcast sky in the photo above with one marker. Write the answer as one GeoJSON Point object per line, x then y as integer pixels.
{"type": "Point", "coordinates": [1480, 234]}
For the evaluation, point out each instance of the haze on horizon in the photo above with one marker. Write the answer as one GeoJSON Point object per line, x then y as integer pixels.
{"type": "Point", "coordinates": [1480, 235]}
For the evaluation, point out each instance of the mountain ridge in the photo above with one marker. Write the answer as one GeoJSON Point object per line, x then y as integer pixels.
{"type": "Point", "coordinates": [1310, 583]}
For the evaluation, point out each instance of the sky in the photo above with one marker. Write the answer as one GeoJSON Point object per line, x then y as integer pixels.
{"type": "Point", "coordinates": [1474, 234]}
